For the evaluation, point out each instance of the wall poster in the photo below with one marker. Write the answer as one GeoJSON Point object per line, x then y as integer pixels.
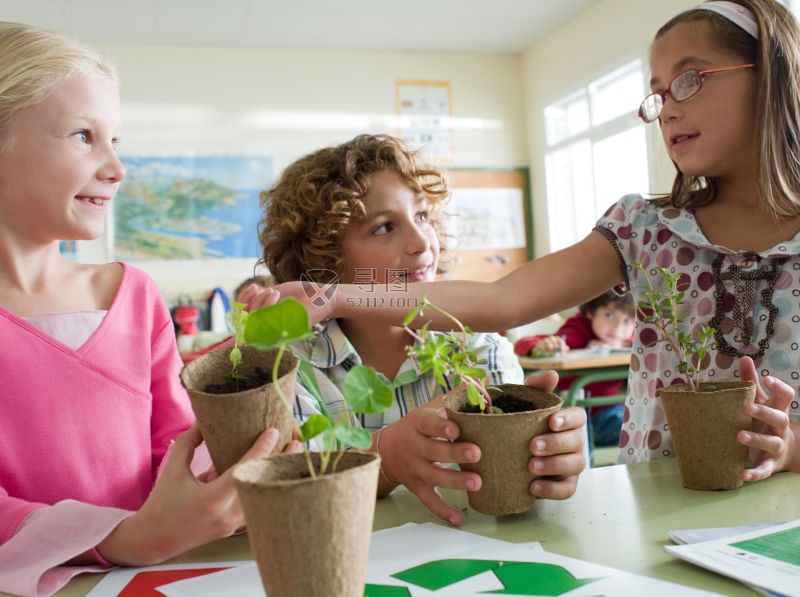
{"type": "Point", "coordinates": [424, 110]}
{"type": "Point", "coordinates": [190, 207]}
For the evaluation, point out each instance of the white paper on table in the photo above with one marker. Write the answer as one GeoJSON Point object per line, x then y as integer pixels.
{"type": "Point", "coordinates": [396, 553]}
{"type": "Point", "coordinates": [244, 581]}
{"type": "Point", "coordinates": [766, 558]}
{"type": "Point", "coordinates": [400, 549]}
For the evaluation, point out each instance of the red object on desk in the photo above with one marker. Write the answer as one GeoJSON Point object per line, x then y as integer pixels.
{"type": "Point", "coordinates": [190, 356]}
{"type": "Point", "coordinates": [186, 317]}
{"type": "Point", "coordinates": [144, 584]}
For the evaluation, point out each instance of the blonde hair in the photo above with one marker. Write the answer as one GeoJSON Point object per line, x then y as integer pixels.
{"type": "Point", "coordinates": [32, 62]}
{"type": "Point", "coordinates": [776, 54]}
{"type": "Point", "coordinates": [317, 197]}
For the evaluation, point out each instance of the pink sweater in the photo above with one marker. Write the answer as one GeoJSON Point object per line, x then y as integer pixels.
{"type": "Point", "coordinates": [82, 432]}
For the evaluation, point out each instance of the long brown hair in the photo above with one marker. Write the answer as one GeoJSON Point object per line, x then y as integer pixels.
{"type": "Point", "coordinates": [776, 54]}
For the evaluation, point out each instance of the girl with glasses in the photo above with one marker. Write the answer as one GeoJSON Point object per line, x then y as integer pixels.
{"type": "Point", "coordinates": [726, 96]}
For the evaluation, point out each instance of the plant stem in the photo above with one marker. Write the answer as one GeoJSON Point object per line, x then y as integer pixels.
{"type": "Point", "coordinates": [276, 365]}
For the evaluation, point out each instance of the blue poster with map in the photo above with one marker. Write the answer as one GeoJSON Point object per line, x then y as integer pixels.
{"type": "Point", "coordinates": [190, 207]}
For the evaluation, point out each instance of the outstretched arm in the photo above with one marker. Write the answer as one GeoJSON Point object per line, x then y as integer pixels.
{"type": "Point", "coordinates": [534, 290]}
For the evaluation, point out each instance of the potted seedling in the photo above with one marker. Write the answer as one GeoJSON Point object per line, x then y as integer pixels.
{"type": "Point", "coordinates": [235, 396]}
{"type": "Point", "coordinates": [501, 420]}
{"type": "Point", "coordinates": [704, 417]}
{"type": "Point", "coordinates": [315, 507]}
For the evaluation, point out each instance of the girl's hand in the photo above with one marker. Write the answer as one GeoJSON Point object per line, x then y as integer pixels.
{"type": "Point", "coordinates": [182, 512]}
{"type": "Point", "coordinates": [773, 442]}
{"type": "Point", "coordinates": [557, 457]}
{"type": "Point", "coordinates": [318, 299]}
{"type": "Point", "coordinates": [411, 450]}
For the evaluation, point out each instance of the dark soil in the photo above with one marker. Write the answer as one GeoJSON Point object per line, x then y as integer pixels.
{"type": "Point", "coordinates": [506, 403]}
{"type": "Point", "coordinates": [232, 385]}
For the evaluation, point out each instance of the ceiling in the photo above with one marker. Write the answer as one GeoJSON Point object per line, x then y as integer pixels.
{"type": "Point", "coordinates": [484, 26]}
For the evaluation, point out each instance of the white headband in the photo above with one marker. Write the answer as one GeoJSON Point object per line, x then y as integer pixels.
{"type": "Point", "coordinates": [736, 13]}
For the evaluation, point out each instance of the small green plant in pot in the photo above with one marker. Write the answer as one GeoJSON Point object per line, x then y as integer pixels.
{"type": "Point", "coordinates": [501, 420]}
{"type": "Point", "coordinates": [323, 502]}
{"type": "Point", "coordinates": [704, 417]}
{"type": "Point", "coordinates": [234, 394]}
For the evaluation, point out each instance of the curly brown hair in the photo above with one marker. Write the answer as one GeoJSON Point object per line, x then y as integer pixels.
{"type": "Point", "coordinates": [320, 194]}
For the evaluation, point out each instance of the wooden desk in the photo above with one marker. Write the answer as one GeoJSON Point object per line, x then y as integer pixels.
{"type": "Point", "coordinates": [619, 517]}
{"type": "Point", "coordinates": [587, 366]}
{"type": "Point", "coordinates": [578, 359]}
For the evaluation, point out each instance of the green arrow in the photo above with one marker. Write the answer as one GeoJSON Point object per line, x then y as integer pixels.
{"type": "Point", "coordinates": [531, 578]}
{"type": "Point", "coordinates": [386, 591]}
{"type": "Point", "coordinates": [518, 578]}
{"type": "Point", "coordinates": [443, 573]}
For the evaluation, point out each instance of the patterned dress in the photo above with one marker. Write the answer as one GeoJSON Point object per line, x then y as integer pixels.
{"type": "Point", "coordinates": [751, 299]}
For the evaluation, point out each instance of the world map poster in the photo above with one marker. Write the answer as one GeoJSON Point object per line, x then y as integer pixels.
{"type": "Point", "coordinates": [190, 207]}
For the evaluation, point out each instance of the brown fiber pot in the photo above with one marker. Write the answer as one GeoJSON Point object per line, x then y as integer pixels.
{"type": "Point", "coordinates": [704, 426]}
{"type": "Point", "coordinates": [309, 537]}
{"type": "Point", "coordinates": [504, 440]}
{"type": "Point", "coordinates": [230, 423]}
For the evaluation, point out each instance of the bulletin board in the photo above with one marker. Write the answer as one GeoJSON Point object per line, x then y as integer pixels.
{"type": "Point", "coordinates": [489, 223]}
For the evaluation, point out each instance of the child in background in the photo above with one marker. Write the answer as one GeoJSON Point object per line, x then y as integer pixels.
{"type": "Point", "coordinates": [605, 321]}
{"type": "Point", "coordinates": [370, 211]}
{"type": "Point", "coordinates": [726, 96]}
{"type": "Point", "coordinates": [96, 432]}
{"type": "Point", "coordinates": [260, 281]}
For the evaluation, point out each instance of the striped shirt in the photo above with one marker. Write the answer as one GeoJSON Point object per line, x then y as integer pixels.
{"type": "Point", "coordinates": [332, 356]}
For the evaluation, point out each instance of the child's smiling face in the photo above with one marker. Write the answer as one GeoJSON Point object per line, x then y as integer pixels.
{"type": "Point", "coordinates": [395, 236]}
{"type": "Point", "coordinates": [62, 164]}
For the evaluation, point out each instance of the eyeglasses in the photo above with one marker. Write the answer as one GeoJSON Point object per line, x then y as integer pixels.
{"type": "Point", "coordinates": [682, 87]}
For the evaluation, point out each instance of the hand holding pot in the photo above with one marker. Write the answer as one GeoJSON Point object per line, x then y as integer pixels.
{"type": "Point", "coordinates": [774, 441]}
{"type": "Point", "coordinates": [412, 449]}
{"type": "Point", "coordinates": [183, 511]}
{"type": "Point", "coordinates": [557, 457]}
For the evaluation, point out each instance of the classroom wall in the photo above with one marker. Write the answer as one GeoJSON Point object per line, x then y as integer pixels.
{"type": "Point", "coordinates": [207, 100]}
{"type": "Point", "coordinates": [222, 100]}
{"type": "Point", "coordinates": [607, 34]}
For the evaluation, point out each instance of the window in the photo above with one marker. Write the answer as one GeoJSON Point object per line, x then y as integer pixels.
{"type": "Point", "coordinates": [596, 152]}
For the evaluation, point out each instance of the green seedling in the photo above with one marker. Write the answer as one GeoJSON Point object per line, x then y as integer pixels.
{"type": "Point", "coordinates": [661, 307]}
{"type": "Point", "coordinates": [365, 390]}
{"type": "Point", "coordinates": [450, 354]}
{"type": "Point", "coordinates": [235, 318]}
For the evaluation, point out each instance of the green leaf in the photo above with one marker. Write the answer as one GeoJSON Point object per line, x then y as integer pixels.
{"type": "Point", "coordinates": [475, 397]}
{"type": "Point", "coordinates": [359, 438]}
{"type": "Point", "coordinates": [366, 390]}
{"type": "Point", "coordinates": [279, 324]}
{"type": "Point", "coordinates": [312, 427]}
{"type": "Point", "coordinates": [309, 381]}
{"type": "Point", "coordinates": [406, 377]}
{"type": "Point", "coordinates": [410, 317]}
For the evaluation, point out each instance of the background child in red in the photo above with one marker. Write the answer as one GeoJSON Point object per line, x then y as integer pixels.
{"type": "Point", "coordinates": [605, 321]}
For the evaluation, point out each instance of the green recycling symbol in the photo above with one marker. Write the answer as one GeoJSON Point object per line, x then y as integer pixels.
{"type": "Point", "coordinates": [518, 578]}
